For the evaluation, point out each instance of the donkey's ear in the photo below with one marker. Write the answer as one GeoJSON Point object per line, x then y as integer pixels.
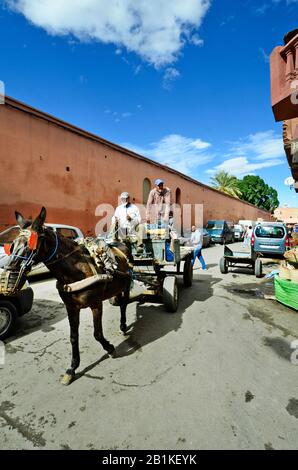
{"type": "Point", "coordinates": [20, 219]}
{"type": "Point", "coordinates": [40, 220]}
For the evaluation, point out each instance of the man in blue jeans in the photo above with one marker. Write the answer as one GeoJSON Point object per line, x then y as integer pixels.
{"type": "Point", "coordinates": [196, 240]}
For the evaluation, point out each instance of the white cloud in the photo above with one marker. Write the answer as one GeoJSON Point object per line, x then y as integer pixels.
{"type": "Point", "coordinates": [241, 166]}
{"type": "Point", "coordinates": [261, 146]}
{"type": "Point", "coordinates": [266, 7]}
{"type": "Point", "coordinates": [255, 152]}
{"type": "Point", "coordinates": [176, 151]}
{"type": "Point", "coordinates": [287, 1]}
{"type": "Point", "coordinates": [171, 74]}
{"type": "Point", "coordinates": [154, 29]}
{"type": "Point", "coordinates": [261, 10]}
{"type": "Point", "coordinates": [126, 115]}
{"type": "Point", "coordinates": [83, 79]}
{"type": "Point", "coordinates": [196, 40]}
{"type": "Point", "coordinates": [117, 116]}
{"type": "Point", "coordinates": [264, 54]}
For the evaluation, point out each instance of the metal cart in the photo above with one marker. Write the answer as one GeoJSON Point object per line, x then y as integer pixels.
{"type": "Point", "coordinates": [249, 259]}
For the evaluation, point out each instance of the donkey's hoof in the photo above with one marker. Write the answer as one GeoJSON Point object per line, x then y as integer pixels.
{"type": "Point", "coordinates": [123, 329]}
{"type": "Point", "coordinates": [111, 351]}
{"type": "Point", "coordinates": [67, 379]}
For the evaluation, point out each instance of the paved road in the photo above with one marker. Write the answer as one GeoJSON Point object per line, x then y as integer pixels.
{"type": "Point", "coordinates": [215, 375]}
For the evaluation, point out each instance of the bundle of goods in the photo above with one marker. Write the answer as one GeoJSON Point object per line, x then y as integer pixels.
{"type": "Point", "coordinates": [291, 257]}
{"type": "Point", "coordinates": [295, 239]}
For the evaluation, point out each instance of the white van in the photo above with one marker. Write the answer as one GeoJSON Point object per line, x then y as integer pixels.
{"type": "Point", "coordinates": [247, 223]}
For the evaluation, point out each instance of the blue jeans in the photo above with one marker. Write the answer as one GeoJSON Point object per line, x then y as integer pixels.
{"type": "Point", "coordinates": [198, 254]}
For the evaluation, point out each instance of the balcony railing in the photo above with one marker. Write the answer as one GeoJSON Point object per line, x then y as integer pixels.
{"type": "Point", "coordinates": [284, 80]}
{"type": "Point", "coordinates": [290, 54]}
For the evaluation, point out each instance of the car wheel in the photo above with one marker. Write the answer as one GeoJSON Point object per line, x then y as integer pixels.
{"type": "Point", "coordinates": [8, 318]}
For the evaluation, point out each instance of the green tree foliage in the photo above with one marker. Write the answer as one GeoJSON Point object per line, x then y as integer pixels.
{"type": "Point", "coordinates": [256, 191]}
{"type": "Point", "coordinates": [226, 183]}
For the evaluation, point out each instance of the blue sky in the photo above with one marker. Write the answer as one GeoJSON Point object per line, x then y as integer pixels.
{"type": "Point", "coordinates": [184, 82]}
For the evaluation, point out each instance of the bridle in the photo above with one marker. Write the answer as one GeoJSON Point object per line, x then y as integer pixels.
{"type": "Point", "coordinates": [10, 278]}
{"type": "Point", "coordinates": [32, 238]}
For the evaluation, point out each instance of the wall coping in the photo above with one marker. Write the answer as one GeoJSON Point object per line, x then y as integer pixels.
{"type": "Point", "coordinates": [19, 105]}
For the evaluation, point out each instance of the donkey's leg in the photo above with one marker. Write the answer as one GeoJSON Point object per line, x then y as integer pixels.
{"type": "Point", "coordinates": [98, 333]}
{"type": "Point", "coordinates": [74, 321]}
{"type": "Point", "coordinates": [123, 307]}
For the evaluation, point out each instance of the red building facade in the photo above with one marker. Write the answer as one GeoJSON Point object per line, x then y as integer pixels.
{"type": "Point", "coordinates": [284, 95]}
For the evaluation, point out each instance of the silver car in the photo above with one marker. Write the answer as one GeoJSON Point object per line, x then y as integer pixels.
{"type": "Point", "coordinates": [9, 235]}
{"type": "Point", "coordinates": [238, 232]}
{"type": "Point", "coordinates": [270, 238]}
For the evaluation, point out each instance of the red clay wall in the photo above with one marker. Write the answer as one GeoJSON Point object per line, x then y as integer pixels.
{"type": "Point", "coordinates": [35, 152]}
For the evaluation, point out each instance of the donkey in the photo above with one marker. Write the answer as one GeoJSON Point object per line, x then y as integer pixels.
{"type": "Point", "coordinates": [70, 262]}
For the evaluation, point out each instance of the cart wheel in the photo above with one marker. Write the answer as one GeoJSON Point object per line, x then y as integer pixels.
{"type": "Point", "coordinates": [258, 268]}
{"type": "Point", "coordinates": [170, 294]}
{"type": "Point", "coordinates": [188, 272]}
{"type": "Point", "coordinates": [223, 265]}
{"type": "Point", "coordinates": [8, 318]}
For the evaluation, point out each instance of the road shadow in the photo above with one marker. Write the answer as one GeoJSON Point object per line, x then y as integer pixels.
{"type": "Point", "coordinates": [242, 270]}
{"type": "Point", "coordinates": [202, 288]}
{"type": "Point", "coordinates": [84, 372]}
{"type": "Point", "coordinates": [43, 316]}
{"type": "Point", "coordinates": [209, 266]}
{"type": "Point", "coordinates": [153, 322]}
{"type": "Point", "coordinates": [256, 290]}
{"type": "Point", "coordinates": [280, 346]}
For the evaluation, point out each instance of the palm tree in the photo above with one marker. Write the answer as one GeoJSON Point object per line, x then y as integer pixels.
{"type": "Point", "coordinates": [226, 183]}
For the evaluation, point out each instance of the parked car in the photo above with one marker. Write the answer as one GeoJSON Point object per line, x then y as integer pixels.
{"type": "Point", "coordinates": [206, 238]}
{"type": "Point", "coordinates": [12, 307]}
{"type": "Point", "coordinates": [270, 238]}
{"type": "Point", "coordinates": [9, 235]}
{"type": "Point", "coordinates": [247, 223]}
{"type": "Point", "coordinates": [221, 231]}
{"type": "Point", "coordinates": [239, 232]}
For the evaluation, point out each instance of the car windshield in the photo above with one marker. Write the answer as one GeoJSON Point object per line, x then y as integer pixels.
{"type": "Point", "coordinates": [267, 231]}
{"type": "Point", "coordinates": [238, 228]}
{"type": "Point", "coordinates": [9, 235]}
{"type": "Point", "coordinates": [215, 225]}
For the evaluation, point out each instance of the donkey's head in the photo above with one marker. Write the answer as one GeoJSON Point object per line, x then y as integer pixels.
{"type": "Point", "coordinates": [25, 251]}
